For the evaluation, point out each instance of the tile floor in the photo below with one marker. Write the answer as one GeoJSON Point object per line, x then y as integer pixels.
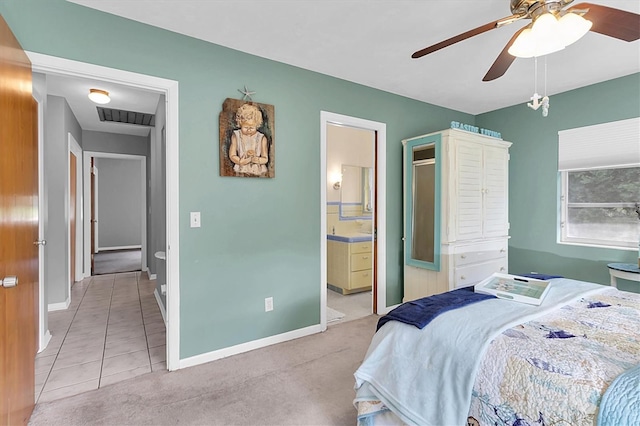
{"type": "Point", "coordinates": [113, 330]}
{"type": "Point", "coordinates": [354, 306]}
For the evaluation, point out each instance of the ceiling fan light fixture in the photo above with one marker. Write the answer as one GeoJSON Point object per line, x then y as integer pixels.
{"type": "Point", "coordinates": [546, 30]}
{"type": "Point", "coordinates": [524, 45]}
{"type": "Point", "coordinates": [547, 47]}
{"type": "Point", "coordinates": [99, 96]}
{"type": "Point", "coordinates": [573, 27]}
{"type": "Point", "coordinates": [543, 38]}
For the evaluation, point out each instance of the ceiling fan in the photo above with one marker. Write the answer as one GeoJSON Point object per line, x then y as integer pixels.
{"type": "Point", "coordinates": [615, 23]}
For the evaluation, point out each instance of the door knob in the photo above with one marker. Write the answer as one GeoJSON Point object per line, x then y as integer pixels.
{"type": "Point", "coordinates": [9, 282]}
{"type": "Point", "coordinates": [40, 243]}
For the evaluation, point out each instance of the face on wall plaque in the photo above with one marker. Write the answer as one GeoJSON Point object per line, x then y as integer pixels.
{"type": "Point", "coordinates": [247, 142]}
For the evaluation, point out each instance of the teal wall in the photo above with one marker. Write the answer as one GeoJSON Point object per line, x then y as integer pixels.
{"type": "Point", "coordinates": [533, 179]}
{"type": "Point", "coordinates": [259, 238]}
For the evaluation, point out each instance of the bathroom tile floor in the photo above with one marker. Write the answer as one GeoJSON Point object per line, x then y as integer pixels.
{"type": "Point", "coordinates": [112, 331]}
{"type": "Point", "coordinates": [354, 306]}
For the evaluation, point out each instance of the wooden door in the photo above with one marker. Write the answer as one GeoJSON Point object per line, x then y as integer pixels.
{"type": "Point", "coordinates": [374, 225]}
{"type": "Point", "coordinates": [18, 231]}
{"type": "Point", "coordinates": [72, 216]}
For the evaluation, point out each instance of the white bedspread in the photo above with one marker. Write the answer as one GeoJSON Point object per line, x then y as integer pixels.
{"type": "Point", "coordinates": [437, 390]}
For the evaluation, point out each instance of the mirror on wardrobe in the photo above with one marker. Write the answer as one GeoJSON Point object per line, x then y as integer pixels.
{"type": "Point", "coordinates": [423, 205]}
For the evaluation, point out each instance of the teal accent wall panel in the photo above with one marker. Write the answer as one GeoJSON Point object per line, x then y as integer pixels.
{"type": "Point", "coordinates": [259, 237]}
{"type": "Point", "coordinates": [533, 176]}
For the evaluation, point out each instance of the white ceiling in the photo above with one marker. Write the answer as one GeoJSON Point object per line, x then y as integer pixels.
{"type": "Point", "coordinates": [75, 90]}
{"type": "Point", "coordinates": [370, 42]}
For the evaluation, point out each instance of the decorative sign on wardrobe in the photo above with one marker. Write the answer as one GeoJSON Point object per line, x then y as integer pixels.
{"type": "Point", "coordinates": [475, 129]}
{"type": "Point", "coordinates": [247, 139]}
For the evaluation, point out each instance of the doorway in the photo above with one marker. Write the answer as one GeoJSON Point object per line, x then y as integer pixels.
{"type": "Point", "coordinates": [116, 238]}
{"type": "Point", "coordinates": [51, 65]}
{"type": "Point", "coordinates": [351, 213]}
{"type": "Point", "coordinates": [74, 210]}
{"type": "Point", "coordinates": [371, 215]}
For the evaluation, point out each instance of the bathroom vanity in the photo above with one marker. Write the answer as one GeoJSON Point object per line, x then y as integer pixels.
{"type": "Point", "coordinates": [350, 262]}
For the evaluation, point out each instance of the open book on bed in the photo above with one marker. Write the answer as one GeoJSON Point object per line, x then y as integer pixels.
{"type": "Point", "coordinates": [514, 287]}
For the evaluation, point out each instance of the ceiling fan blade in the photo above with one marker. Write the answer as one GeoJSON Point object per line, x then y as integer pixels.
{"type": "Point", "coordinates": [504, 59]}
{"type": "Point", "coordinates": [460, 37]}
{"type": "Point", "coordinates": [611, 22]}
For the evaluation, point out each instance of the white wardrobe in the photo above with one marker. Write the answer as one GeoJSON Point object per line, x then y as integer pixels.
{"type": "Point", "coordinates": [456, 226]}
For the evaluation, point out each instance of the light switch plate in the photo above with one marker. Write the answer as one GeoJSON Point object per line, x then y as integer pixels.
{"type": "Point", "coordinates": [195, 219]}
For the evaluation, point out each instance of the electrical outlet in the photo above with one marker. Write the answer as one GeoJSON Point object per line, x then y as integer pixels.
{"type": "Point", "coordinates": [268, 304]}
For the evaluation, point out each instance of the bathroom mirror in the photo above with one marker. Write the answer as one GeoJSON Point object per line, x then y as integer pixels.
{"type": "Point", "coordinates": [356, 192]}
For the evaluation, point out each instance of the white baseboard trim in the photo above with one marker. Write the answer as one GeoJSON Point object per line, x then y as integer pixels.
{"type": "Point", "coordinates": [45, 341]}
{"type": "Point", "coordinates": [119, 248]}
{"type": "Point", "coordinates": [151, 276]}
{"type": "Point", "coordinates": [249, 346]}
{"type": "Point", "coordinates": [161, 306]}
{"type": "Point", "coordinates": [61, 306]}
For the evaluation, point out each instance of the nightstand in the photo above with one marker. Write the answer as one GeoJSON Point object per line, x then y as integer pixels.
{"type": "Point", "coordinates": [626, 271]}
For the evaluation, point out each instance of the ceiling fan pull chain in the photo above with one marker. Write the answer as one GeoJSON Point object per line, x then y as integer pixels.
{"type": "Point", "coordinates": [545, 75]}
{"type": "Point", "coordinates": [545, 99]}
{"type": "Point", "coordinates": [535, 75]}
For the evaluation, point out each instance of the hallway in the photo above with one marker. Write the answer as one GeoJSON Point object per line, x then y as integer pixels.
{"type": "Point", "coordinates": [112, 331]}
{"type": "Point", "coordinates": [117, 261]}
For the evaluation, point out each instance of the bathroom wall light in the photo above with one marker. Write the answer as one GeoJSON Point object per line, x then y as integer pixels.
{"type": "Point", "coordinates": [99, 96]}
{"type": "Point", "coordinates": [335, 176]}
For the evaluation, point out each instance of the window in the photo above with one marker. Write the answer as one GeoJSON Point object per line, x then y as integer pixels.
{"type": "Point", "coordinates": [599, 168]}
{"type": "Point", "coordinates": [598, 207]}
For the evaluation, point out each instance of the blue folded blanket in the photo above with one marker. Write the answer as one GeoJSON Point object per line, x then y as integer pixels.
{"type": "Point", "coordinates": [421, 312]}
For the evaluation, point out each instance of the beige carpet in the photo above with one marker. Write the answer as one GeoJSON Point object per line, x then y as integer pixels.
{"type": "Point", "coordinates": [307, 381]}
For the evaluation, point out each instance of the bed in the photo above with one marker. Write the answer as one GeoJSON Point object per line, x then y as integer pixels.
{"type": "Point", "coordinates": [573, 360]}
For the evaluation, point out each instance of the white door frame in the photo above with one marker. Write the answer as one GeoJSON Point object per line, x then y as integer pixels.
{"type": "Point", "coordinates": [87, 204]}
{"type": "Point", "coordinates": [381, 207]}
{"type": "Point", "coordinates": [96, 206]}
{"type": "Point", "coordinates": [44, 336]}
{"type": "Point", "coordinates": [53, 65]}
{"type": "Point", "coordinates": [74, 148]}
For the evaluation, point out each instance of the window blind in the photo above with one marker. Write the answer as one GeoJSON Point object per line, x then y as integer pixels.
{"type": "Point", "coordinates": [602, 146]}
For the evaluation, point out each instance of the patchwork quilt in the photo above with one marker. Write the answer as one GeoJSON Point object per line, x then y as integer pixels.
{"type": "Point", "coordinates": [552, 369]}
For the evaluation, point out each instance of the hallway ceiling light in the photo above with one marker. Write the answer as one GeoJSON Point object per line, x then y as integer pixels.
{"type": "Point", "coordinates": [99, 96]}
